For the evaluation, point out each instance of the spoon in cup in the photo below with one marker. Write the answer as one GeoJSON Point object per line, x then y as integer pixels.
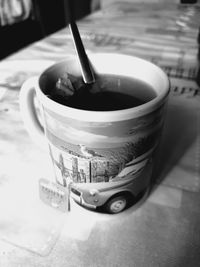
{"type": "Point", "coordinates": [68, 87]}
{"type": "Point", "coordinates": [86, 69]}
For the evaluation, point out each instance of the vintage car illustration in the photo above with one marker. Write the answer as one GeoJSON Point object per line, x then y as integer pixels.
{"type": "Point", "coordinates": [114, 196]}
{"type": "Point", "coordinates": [96, 182]}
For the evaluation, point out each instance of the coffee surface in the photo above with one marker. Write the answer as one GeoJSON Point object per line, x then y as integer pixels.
{"type": "Point", "coordinates": [111, 92]}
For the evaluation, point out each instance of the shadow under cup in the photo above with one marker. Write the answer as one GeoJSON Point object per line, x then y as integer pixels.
{"type": "Point", "coordinates": [109, 151]}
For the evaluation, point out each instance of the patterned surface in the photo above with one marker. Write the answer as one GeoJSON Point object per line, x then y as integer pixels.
{"type": "Point", "coordinates": [160, 231]}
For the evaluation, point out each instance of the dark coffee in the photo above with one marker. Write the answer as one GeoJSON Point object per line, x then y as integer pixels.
{"type": "Point", "coordinates": [111, 92]}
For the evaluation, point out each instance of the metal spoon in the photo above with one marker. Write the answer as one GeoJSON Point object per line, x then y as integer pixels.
{"type": "Point", "coordinates": [86, 70]}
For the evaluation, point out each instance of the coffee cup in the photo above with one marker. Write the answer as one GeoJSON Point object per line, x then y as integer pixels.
{"type": "Point", "coordinates": [106, 155]}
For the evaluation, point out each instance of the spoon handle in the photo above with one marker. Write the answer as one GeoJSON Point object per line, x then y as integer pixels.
{"type": "Point", "coordinates": [87, 73]}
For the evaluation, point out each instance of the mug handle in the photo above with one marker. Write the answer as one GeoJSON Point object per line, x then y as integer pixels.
{"type": "Point", "coordinates": [29, 114]}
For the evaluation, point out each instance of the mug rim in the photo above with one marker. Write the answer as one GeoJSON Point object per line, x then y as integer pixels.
{"type": "Point", "coordinates": [106, 116]}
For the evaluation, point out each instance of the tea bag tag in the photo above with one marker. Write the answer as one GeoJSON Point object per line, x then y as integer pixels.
{"type": "Point", "coordinates": [54, 195]}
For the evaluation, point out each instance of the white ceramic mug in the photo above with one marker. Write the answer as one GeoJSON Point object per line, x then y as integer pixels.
{"type": "Point", "coordinates": [105, 155]}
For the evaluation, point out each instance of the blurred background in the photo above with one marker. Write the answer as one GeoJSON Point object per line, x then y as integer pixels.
{"type": "Point", "coordinates": [25, 21]}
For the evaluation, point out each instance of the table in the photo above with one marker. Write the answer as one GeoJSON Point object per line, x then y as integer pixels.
{"type": "Point", "coordinates": [163, 228]}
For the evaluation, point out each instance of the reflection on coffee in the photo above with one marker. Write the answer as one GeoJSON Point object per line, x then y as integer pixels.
{"type": "Point", "coordinates": [111, 92]}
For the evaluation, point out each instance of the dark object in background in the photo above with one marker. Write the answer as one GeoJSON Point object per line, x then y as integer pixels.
{"type": "Point", "coordinates": [13, 37]}
{"type": "Point", "coordinates": [198, 73]}
{"type": "Point", "coordinates": [188, 1]}
{"type": "Point", "coordinates": [198, 77]}
{"type": "Point", "coordinates": [53, 16]}
{"type": "Point", "coordinates": [48, 17]}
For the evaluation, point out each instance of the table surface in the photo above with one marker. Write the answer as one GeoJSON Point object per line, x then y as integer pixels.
{"type": "Point", "coordinates": [163, 228]}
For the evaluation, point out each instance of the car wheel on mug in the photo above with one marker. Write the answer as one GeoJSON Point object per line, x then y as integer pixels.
{"type": "Point", "coordinates": [116, 204]}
